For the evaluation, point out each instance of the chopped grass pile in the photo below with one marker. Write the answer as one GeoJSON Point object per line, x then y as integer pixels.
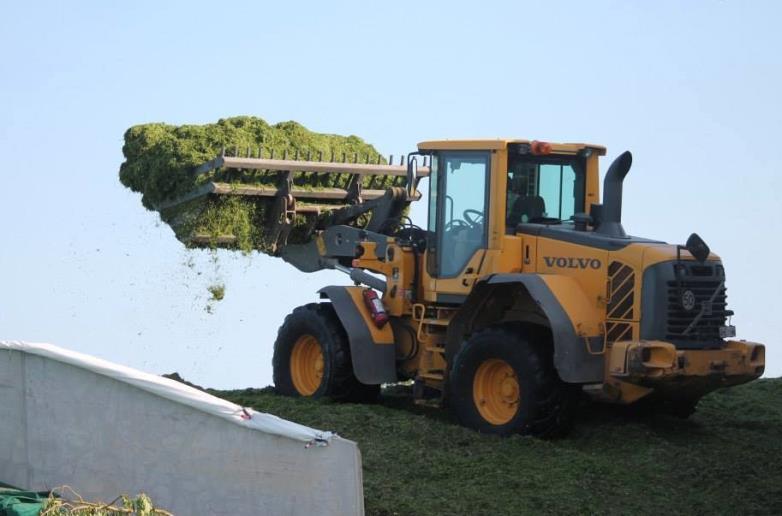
{"type": "Point", "coordinates": [66, 502]}
{"type": "Point", "coordinates": [725, 459]}
{"type": "Point", "coordinates": [160, 161]}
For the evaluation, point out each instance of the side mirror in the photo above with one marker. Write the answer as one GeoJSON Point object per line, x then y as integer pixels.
{"type": "Point", "coordinates": [412, 173]}
{"type": "Point", "coordinates": [697, 247]}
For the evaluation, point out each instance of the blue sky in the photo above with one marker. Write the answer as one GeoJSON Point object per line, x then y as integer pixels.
{"type": "Point", "coordinates": [691, 88]}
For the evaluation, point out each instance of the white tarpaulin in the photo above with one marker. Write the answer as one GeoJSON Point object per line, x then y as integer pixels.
{"type": "Point", "coordinates": [106, 429]}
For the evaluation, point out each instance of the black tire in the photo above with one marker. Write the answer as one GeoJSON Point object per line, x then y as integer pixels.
{"type": "Point", "coordinates": [338, 381]}
{"type": "Point", "coordinates": [546, 404]}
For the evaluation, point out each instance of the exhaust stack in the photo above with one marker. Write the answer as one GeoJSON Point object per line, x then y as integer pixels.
{"type": "Point", "coordinates": [608, 216]}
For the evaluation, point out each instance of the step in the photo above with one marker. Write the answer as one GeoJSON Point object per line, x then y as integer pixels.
{"type": "Point", "coordinates": [429, 403]}
{"type": "Point", "coordinates": [436, 322]}
{"type": "Point", "coordinates": [432, 376]}
{"type": "Point", "coordinates": [435, 349]}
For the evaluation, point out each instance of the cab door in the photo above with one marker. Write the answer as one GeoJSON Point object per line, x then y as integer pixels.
{"type": "Point", "coordinates": [458, 208]}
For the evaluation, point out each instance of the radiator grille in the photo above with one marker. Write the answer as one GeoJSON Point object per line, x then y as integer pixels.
{"type": "Point", "coordinates": [697, 304]}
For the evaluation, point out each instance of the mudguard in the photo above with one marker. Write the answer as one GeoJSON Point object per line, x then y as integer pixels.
{"type": "Point", "coordinates": [574, 322]}
{"type": "Point", "coordinates": [372, 350]}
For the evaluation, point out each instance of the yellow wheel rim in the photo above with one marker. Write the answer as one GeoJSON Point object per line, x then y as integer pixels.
{"type": "Point", "coordinates": [495, 391]}
{"type": "Point", "coordinates": [306, 365]}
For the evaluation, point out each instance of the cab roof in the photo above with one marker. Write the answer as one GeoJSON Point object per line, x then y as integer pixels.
{"type": "Point", "coordinates": [502, 143]}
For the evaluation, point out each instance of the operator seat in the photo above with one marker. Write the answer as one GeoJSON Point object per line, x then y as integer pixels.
{"type": "Point", "coordinates": [533, 206]}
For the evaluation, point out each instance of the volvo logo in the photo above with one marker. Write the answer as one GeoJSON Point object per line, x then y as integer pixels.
{"type": "Point", "coordinates": [688, 300]}
{"type": "Point", "coordinates": [572, 263]}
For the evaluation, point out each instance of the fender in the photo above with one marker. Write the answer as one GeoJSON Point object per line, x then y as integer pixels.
{"type": "Point", "coordinates": [555, 301]}
{"type": "Point", "coordinates": [372, 350]}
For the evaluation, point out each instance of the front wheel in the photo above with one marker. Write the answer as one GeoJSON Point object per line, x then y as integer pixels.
{"type": "Point", "coordinates": [312, 357]}
{"type": "Point", "coordinates": [501, 383]}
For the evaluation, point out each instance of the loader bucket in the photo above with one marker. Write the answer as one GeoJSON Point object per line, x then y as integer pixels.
{"type": "Point", "coordinates": [257, 203]}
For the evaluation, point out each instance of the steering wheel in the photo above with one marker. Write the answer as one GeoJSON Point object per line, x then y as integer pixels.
{"type": "Point", "coordinates": [455, 224]}
{"type": "Point", "coordinates": [473, 217]}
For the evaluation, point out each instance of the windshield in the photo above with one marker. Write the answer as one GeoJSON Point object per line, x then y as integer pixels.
{"type": "Point", "coordinates": [544, 189]}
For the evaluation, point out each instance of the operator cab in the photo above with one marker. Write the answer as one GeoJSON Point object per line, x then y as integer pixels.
{"type": "Point", "coordinates": [481, 190]}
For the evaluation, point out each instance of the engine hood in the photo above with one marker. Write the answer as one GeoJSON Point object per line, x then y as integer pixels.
{"type": "Point", "coordinates": [656, 253]}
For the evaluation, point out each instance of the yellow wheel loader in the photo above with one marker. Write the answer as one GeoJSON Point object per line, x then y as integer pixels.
{"type": "Point", "coordinates": [522, 292]}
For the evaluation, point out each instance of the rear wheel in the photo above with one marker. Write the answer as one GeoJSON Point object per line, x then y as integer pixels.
{"type": "Point", "coordinates": [312, 357]}
{"type": "Point", "coordinates": [496, 391]}
{"type": "Point", "coordinates": [501, 383]}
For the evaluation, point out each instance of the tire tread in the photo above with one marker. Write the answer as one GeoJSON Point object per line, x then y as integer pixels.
{"type": "Point", "coordinates": [552, 413]}
{"type": "Point", "coordinates": [342, 384]}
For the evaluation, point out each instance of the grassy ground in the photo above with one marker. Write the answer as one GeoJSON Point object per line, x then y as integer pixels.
{"type": "Point", "coordinates": [726, 459]}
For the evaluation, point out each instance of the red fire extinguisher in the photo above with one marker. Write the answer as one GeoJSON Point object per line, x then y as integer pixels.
{"type": "Point", "coordinates": [375, 307]}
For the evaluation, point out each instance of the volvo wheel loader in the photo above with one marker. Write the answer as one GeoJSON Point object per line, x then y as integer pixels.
{"type": "Point", "coordinates": [522, 292]}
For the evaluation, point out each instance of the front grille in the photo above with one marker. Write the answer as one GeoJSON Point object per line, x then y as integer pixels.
{"type": "Point", "coordinates": [696, 304]}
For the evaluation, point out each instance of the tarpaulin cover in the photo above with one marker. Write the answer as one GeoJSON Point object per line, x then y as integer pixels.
{"type": "Point", "coordinates": [15, 502]}
{"type": "Point", "coordinates": [175, 391]}
{"type": "Point", "coordinates": [68, 419]}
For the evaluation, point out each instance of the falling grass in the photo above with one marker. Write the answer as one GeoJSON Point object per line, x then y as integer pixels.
{"type": "Point", "coordinates": [217, 292]}
{"type": "Point", "coordinates": [726, 459]}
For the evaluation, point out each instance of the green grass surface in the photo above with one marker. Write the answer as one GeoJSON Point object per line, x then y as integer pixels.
{"type": "Point", "coordinates": [726, 459]}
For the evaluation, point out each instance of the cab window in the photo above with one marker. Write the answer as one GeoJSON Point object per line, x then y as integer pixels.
{"type": "Point", "coordinates": [543, 190]}
{"type": "Point", "coordinates": [459, 198]}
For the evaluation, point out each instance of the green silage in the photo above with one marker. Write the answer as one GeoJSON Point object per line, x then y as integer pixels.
{"type": "Point", "coordinates": [160, 161]}
{"type": "Point", "coordinates": [726, 459]}
{"type": "Point", "coordinates": [230, 217]}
